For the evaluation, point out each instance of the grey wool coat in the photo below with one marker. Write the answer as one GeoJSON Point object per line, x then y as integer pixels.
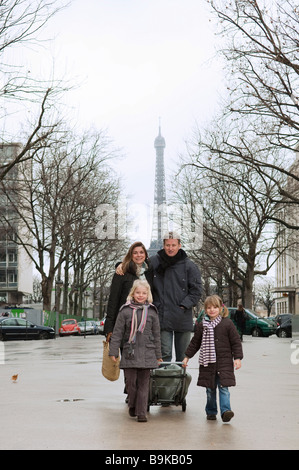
{"type": "Point", "coordinates": [228, 347]}
{"type": "Point", "coordinates": [147, 348]}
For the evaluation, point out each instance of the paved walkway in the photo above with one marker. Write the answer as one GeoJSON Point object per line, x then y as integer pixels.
{"type": "Point", "coordinates": [61, 401]}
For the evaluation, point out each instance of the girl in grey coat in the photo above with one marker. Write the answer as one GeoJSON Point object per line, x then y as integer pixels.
{"type": "Point", "coordinates": [137, 328]}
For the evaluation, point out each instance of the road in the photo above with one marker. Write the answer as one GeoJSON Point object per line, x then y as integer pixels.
{"type": "Point", "coordinates": [61, 401]}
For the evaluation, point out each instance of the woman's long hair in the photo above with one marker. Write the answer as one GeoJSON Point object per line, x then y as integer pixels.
{"type": "Point", "coordinates": [127, 264]}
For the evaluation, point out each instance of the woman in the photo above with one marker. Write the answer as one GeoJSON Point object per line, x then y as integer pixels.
{"type": "Point", "coordinates": [135, 265]}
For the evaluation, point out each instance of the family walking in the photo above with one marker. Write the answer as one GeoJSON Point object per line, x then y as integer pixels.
{"type": "Point", "coordinates": [150, 312]}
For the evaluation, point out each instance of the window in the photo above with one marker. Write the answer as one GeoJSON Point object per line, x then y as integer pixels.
{"type": "Point", "coordinates": [22, 322]}
{"type": "Point", "coordinates": [9, 322]}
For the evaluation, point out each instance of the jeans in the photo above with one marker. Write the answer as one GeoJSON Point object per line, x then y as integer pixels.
{"type": "Point", "coordinates": [181, 342]}
{"type": "Point", "coordinates": [224, 399]}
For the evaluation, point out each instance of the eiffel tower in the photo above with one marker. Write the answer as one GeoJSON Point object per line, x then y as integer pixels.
{"type": "Point", "coordinates": [160, 218]}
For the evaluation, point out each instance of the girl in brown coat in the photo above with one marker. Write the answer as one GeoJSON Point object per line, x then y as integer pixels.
{"type": "Point", "coordinates": [220, 351]}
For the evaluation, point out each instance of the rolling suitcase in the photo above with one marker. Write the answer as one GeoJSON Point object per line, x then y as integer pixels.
{"type": "Point", "coordinates": [169, 385]}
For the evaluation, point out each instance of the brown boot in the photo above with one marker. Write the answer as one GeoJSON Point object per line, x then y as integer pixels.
{"type": "Point", "coordinates": [142, 419]}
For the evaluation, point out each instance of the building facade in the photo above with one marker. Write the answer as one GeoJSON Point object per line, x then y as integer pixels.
{"type": "Point", "coordinates": [287, 266]}
{"type": "Point", "coordinates": [16, 268]}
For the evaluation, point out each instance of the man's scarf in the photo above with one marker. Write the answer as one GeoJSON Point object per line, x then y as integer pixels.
{"type": "Point", "coordinates": [207, 353]}
{"type": "Point", "coordinates": [167, 261]}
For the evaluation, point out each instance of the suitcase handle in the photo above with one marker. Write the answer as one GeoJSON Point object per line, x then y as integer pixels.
{"type": "Point", "coordinates": [164, 363]}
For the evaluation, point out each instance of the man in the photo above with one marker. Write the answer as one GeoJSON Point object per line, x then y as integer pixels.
{"type": "Point", "coordinates": [240, 319]}
{"type": "Point", "coordinates": [177, 288]}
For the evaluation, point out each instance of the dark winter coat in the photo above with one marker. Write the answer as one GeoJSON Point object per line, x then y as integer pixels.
{"type": "Point", "coordinates": [176, 290]}
{"type": "Point", "coordinates": [147, 348]}
{"type": "Point", "coordinates": [119, 291]}
{"type": "Point", "coordinates": [228, 347]}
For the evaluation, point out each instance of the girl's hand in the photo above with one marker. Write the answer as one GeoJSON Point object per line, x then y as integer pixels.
{"type": "Point", "coordinates": [237, 364]}
{"type": "Point", "coordinates": [113, 358]}
{"type": "Point", "coordinates": [185, 361]}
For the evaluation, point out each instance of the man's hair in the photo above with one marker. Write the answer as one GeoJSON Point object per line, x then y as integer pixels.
{"type": "Point", "coordinates": [171, 235]}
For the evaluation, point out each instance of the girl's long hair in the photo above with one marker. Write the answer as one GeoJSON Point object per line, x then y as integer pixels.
{"type": "Point", "coordinates": [216, 301]}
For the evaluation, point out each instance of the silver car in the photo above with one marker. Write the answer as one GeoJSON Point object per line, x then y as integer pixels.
{"type": "Point", "coordinates": [86, 327]}
{"type": "Point", "coordinates": [101, 324]}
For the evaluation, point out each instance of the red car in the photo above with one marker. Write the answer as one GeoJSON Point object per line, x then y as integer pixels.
{"type": "Point", "coordinates": [69, 327]}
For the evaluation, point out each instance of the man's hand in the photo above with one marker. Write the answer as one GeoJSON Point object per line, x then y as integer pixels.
{"type": "Point", "coordinates": [119, 270]}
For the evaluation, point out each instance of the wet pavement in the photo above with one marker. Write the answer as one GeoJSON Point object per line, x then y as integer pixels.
{"type": "Point", "coordinates": [60, 400]}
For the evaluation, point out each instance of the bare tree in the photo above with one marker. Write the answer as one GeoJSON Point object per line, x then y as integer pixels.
{"type": "Point", "coordinates": [55, 200]}
{"type": "Point", "coordinates": [20, 23]}
{"type": "Point", "coordinates": [262, 49]}
{"type": "Point", "coordinates": [264, 295]}
{"type": "Point", "coordinates": [260, 42]}
{"type": "Point", "coordinates": [239, 240]}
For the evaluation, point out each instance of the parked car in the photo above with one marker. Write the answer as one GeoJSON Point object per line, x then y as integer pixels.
{"type": "Point", "coordinates": [284, 328]}
{"type": "Point", "coordinates": [86, 328]}
{"type": "Point", "coordinates": [19, 328]}
{"type": "Point", "coordinates": [69, 327]}
{"type": "Point", "coordinates": [101, 324]}
{"type": "Point", "coordinates": [270, 320]}
{"type": "Point", "coordinates": [282, 317]}
{"type": "Point", "coordinates": [255, 326]}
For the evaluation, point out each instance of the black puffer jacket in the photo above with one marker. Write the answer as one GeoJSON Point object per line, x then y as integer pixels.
{"type": "Point", "coordinates": [119, 291]}
{"type": "Point", "coordinates": [228, 347]}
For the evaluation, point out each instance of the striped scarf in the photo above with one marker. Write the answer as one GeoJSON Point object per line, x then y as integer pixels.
{"type": "Point", "coordinates": [140, 328]}
{"type": "Point", "coordinates": [207, 353]}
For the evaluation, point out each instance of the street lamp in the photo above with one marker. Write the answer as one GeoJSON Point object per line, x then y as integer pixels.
{"type": "Point", "coordinates": [58, 285]}
{"type": "Point", "coordinates": [86, 295]}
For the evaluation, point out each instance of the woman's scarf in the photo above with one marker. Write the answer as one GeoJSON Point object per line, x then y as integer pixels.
{"type": "Point", "coordinates": [140, 271]}
{"type": "Point", "coordinates": [207, 353]}
{"type": "Point", "coordinates": [134, 328]}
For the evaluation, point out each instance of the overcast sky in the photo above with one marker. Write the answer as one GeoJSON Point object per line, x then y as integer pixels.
{"type": "Point", "coordinates": [137, 61]}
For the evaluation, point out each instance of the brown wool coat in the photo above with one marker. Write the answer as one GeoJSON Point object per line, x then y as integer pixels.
{"type": "Point", "coordinates": [228, 347]}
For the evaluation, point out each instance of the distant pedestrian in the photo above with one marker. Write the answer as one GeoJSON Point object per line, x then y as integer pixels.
{"type": "Point", "coordinates": [240, 319]}
{"type": "Point", "coordinates": [137, 328]}
{"type": "Point", "coordinates": [220, 351]}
